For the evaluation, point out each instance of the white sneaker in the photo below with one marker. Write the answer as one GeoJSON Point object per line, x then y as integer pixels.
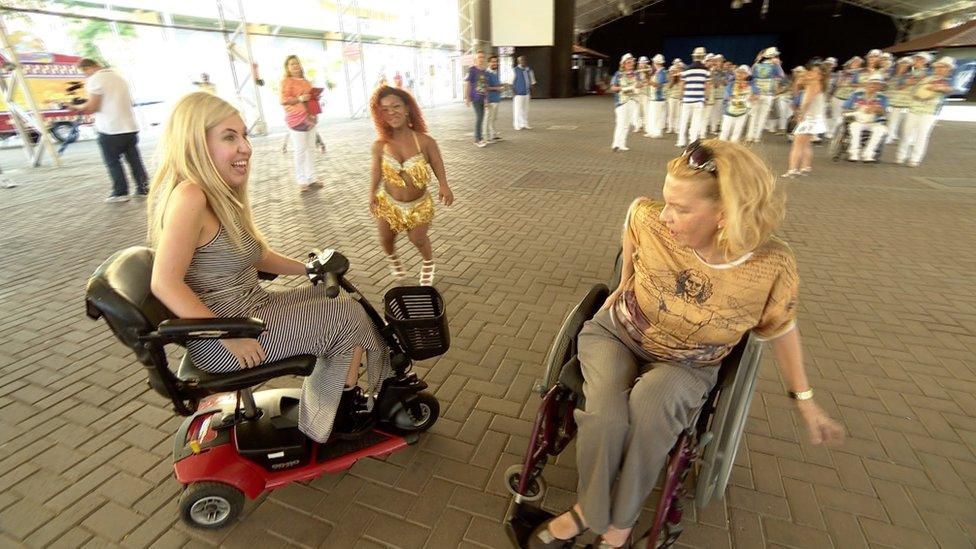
{"type": "Point", "coordinates": [118, 198]}
{"type": "Point", "coordinates": [527, 128]}
{"type": "Point", "coordinates": [481, 144]}
{"type": "Point", "coordinates": [624, 149]}
{"type": "Point", "coordinates": [912, 164]}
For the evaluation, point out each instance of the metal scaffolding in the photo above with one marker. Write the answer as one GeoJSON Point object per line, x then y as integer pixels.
{"type": "Point", "coordinates": [12, 80]}
{"type": "Point", "coordinates": [467, 37]}
{"type": "Point", "coordinates": [353, 64]}
{"type": "Point", "coordinates": [246, 88]}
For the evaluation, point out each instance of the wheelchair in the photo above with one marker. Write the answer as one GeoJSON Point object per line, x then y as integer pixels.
{"type": "Point", "coordinates": [708, 446]}
{"type": "Point", "coordinates": [236, 443]}
{"type": "Point", "coordinates": [837, 147]}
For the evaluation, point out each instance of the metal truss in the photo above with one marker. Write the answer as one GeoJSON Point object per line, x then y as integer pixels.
{"type": "Point", "coordinates": [238, 44]}
{"type": "Point", "coordinates": [353, 63]}
{"type": "Point", "coordinates": [12, 80]}
{"type": "Point", "coordinates": [906, 9]}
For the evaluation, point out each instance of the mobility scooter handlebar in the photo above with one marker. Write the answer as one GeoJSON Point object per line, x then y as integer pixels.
{"type": "Point", "coordinates": [328, 266]}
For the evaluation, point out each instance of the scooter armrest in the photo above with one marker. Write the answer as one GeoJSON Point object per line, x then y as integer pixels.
{"type": "Point", "coordinates": [184, 329]}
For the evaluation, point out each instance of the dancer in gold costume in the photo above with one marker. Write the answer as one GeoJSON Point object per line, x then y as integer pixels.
{"type": "Point", "coordinates": [405, 161]}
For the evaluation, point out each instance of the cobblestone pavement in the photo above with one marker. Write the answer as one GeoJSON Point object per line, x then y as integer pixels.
{"type": "Point", "coordinates": [888, 316]}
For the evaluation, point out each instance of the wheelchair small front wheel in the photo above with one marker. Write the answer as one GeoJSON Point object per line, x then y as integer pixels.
{"type": "Point", "coordinates": [417, 415]}
{"type": "Point", "coordinates": [535, 490]}
{"type": "Point", "coordinates": [210, 505]}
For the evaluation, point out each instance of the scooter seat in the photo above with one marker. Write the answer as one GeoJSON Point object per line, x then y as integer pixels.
{"type": "Point", "coordinates": [298, 365]}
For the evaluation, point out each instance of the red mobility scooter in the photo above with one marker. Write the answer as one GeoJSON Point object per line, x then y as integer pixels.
{"type": "Point", "coordinates": [235, 443]}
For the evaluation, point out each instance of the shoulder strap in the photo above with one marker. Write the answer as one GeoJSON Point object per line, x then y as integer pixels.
{"type": "Point", "coordinates": [416, 142]}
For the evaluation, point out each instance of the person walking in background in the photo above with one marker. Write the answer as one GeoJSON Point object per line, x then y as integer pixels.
{"type": "Point", "coordinates": [475, 93]}
{"type": "Point", "coordinates": [643, 97]}
{"type": "Point", "coordinates": [494, 98]}
{"type": "Point", "coordinates": [674, 93]}
{"type": "Point", "coordinates": [522, 82]}
{"type": "Point", "coordinates": [695, 85]}
{"type": "Point", "coordinates": [110, 101]}
{"type": "Point", "coordinates": [848, 81]}
{"type": "Point", "coordinates": [767, 74]}
{"type": "Point", "coordinates": [297, 96]}
{"type": "Point", "coordinates": [812, 121]}
{"type": "Point", "coordinates": [928, 96]}
{"type": "Point", "coordinates": [654, 123]}
{"type": "Point", "coordinates": [740, 95]}
{"type": "Point", "coordinates": [204, 84]}
{"type": "Point", "coordinates": [899, 97]}
{"type": "Point", "coordinates": [624, 85]}
{"type": "Point", "coordinates": [721, 77]}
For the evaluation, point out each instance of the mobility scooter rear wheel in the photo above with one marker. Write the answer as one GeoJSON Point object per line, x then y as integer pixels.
{"type": "Point", "coordinates": [210, 505]}
{"type": "Point", "coordinates": [417, 415]}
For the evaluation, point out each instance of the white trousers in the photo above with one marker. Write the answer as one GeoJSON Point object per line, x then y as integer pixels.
{"type": "Point", "coordinates": [656, 112]}
{"type": "Point", "coordinates": [488, 125]}
{"type": "Point", "coordinates": [303, 151]}
{"type": "Point", "coordinates": [718, 114]}
{"type": "Point", "coordinates": [915, 137]}
{"type": "Point", "coordinates": [895, 118]}
{"type": "Point", "coordinates": [836, 115]}
{"type": "Point", "coordinates": [638, 113]}
{"type": "Point", "coordinates": [706, 117]}
{"type": "Point", "coordinates": [878, 132]}
{"type": "Point", "coordinates": [732, 127]}
{"type": "Point", "coordinates": [520, 111]}
{"type": "Point", "coordinates": [784, 111]}
{"type": "Point", "coordinates": [624, 114]}
{"type": "Point", "coordinates": [758, 116]}
{"type": "Point", "coordinates": [674, 112]}
{"type": "Point", "coordinates": [691, 115]}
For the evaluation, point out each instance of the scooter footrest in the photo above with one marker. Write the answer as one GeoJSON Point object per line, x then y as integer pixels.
{"type": "Point", "coordinates": [338, 447]}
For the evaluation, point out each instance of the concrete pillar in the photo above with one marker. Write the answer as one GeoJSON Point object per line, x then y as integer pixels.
{"type": "Point", "coordinates": [553, 64]}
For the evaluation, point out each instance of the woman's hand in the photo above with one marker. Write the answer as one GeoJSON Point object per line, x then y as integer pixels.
{"type": "Point", "coordinates": [446, 196]}
{"type": "Point", "coordinates": [822, 429]}
{"type": "Point", "coordinates": [303, 98]}
{"type": "Point", "coordinates": [611, 298]}
{"type": "Point", "coordinates": [247, 351]}
{"type": "Point", "coordinates": [374, 203]}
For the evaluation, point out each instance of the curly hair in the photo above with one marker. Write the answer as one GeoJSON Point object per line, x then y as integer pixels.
{"type": "Point", "coordinates": [742, 183]}
{"type": "Point", "coordinates": [415, 118]}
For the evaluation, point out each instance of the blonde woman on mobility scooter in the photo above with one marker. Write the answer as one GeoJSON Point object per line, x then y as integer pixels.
{"type": "Point", "coordinates": [699, 271]}
{"type": "Point", "coordinates": [209, 252]}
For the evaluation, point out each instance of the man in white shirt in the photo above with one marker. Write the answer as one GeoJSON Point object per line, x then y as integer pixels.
{"type": "Point", "coordinates": [522, 82]}
{"type": "Point", "coordinates": [118, 134]}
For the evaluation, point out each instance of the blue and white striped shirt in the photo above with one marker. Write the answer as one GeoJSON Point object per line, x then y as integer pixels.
{"type": "Point", "coordinates": [694, 78]}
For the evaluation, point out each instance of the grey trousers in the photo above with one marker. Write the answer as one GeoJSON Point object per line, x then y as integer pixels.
{"type": "Point", "coordinates": [633, 415]}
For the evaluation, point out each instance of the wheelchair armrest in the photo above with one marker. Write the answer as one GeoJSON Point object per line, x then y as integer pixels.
{"type": "Point", "coordinates": [182, 329]}
{"type": "Point", "coordinates": [262, 275]}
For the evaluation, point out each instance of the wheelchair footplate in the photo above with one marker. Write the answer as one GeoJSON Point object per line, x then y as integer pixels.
{"type": "Point", "coordinates": [521, 519]}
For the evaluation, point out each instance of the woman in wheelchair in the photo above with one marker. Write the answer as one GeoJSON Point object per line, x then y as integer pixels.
{"type": "Point", "coordinates": [699, 271]}
{"type": "Point", "coordinates": [209, 253]}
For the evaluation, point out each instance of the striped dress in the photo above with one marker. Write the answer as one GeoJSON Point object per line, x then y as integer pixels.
{"type": "Point", "coordinates": [299, 321]}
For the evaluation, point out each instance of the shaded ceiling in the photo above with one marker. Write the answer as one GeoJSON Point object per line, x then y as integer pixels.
{"type": "Point", "coordinates": [594, 13]}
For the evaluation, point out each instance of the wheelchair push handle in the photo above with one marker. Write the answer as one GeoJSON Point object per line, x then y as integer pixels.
{"type": "Point", "coordinates": [327, 266]}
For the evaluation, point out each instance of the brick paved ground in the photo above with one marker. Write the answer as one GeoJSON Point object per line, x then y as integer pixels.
{"type": "Point", "coordinates": [888, 318]}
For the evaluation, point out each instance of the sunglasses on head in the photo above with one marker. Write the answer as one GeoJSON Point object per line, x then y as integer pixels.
{"type": "Point", "coordinates": [700, 157]}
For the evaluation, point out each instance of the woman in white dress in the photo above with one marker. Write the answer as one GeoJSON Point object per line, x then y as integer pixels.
{"type": "Point", "coordinates": [812, 120]}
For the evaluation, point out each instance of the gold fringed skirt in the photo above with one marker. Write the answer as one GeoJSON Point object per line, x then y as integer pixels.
{"type": "Point", "coordinates": [403, 216]}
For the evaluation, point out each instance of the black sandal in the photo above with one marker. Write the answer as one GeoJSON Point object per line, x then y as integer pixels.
{"type": "Point", "coordinates": [542, 538]}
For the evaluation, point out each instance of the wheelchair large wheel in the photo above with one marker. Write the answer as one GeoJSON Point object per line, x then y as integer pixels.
{"type": "Point", "coordinates": [536, 489]}
{"type": "Point", "coordinates": [418, 415]}
{"type": "Point", "coordinates": [210, 505]}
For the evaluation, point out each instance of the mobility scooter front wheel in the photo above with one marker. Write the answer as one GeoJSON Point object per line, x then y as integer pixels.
{"type": "Point", "coordinates": [210, 505]}
{"type": "Point", "coordinates": [417, 415]}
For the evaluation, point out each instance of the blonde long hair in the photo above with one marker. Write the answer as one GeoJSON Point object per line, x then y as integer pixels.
{"type": "Point", "coordinates": [182, 155]}
{"type": "Point", "coordinates": [752, 205]}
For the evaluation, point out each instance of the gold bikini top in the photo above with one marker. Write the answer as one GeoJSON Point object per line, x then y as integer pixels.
{"type": "Point", "coordinates": [416, 167]}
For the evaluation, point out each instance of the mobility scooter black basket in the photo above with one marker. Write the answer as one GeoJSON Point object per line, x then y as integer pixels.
{"type": "Point", "coordinates": [419, 320]}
